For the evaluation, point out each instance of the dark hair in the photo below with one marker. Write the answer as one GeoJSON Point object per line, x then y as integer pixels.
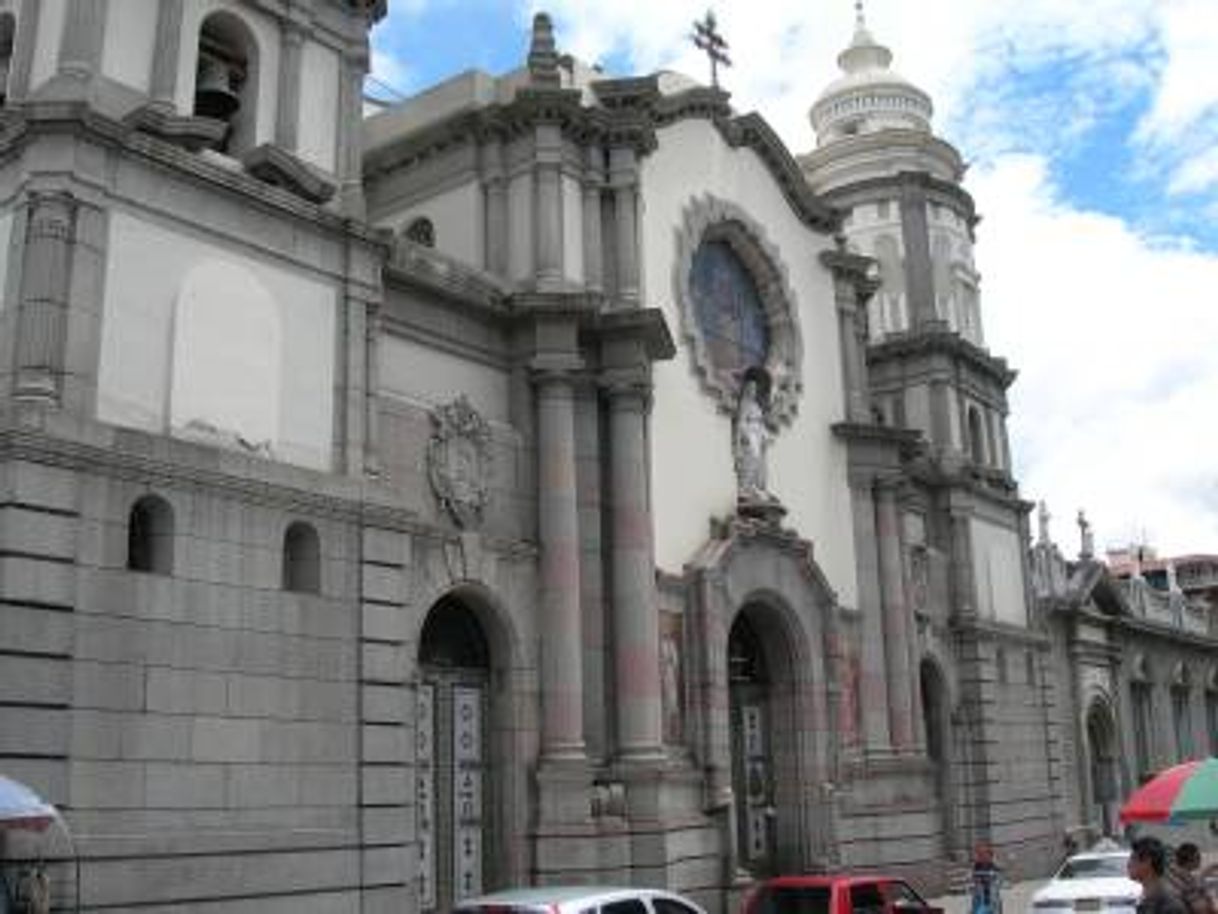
{"type": "Point", "coordinates": [1188, 855]}
{"type": "Point", "coordinates": [1151, 850]}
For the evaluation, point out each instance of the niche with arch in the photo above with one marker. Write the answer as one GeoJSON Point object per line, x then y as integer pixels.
{"type": "Point", "coordinates": [301, 559]}
{"type": "Point", "coordinates": [8, 30]}
{"type": "Point", "coordinates": [150, 536]}
{"type": "Point", "coordinates": [226, 79]}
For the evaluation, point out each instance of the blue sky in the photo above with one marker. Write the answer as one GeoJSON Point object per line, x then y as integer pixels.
{"type": "Point", "coordinates": [1092, 136]}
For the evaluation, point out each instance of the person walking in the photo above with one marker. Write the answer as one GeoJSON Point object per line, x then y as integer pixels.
{"type": "Point", "coordinates": [1148, 866]}
{"type": "Point", "coordinates": [987, 881]}
{"type": "Point", "coordinates": [1182, 876]}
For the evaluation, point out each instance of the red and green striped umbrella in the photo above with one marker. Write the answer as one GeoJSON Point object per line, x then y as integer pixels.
{"type": "Point", "coordinates": [1186, 791]}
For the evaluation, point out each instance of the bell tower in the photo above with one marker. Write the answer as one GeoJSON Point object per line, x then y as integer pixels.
{"type": "Point", "coordinates": [930, 458]}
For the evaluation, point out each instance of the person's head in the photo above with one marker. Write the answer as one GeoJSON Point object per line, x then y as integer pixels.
{"type": "Point", "coordinates": [1188, 856]}
{"type": "Point", "coordinates": [983, 853]}
{"type": "Point", "coordinates": [1147, 860]}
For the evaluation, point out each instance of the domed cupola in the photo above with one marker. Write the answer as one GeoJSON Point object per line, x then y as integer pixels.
{"type": "Point", "coordinates": [868, 96]}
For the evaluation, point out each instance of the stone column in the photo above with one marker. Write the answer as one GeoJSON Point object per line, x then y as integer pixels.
{"type": "Point", "coordinates": [83, 32]}
{"type": "Point", "coordinates": [594, 179]}
{"type": "Point", "coordinates": [291, 54]}
{"type": "Point", "coordinates": [964, 598]}
{"type": "Point", "coordinates": [562, 718]}
{"type": "Point", "coordinates": [496, 209]}
{"type": "Point", "coordinates": [166, 54]}
{"type": "Point", "coordinates": [853, 284]}
{"type": "Point", "coordinates": [919, 278]}
{"type": "Point", "coordinates": [23, 50]}
{"type": "Point", "coordinates": [894, 614]}
{"type": "Point", "coordinates": [549, 207]}
{"type": "Point", "coordinates": [43, 299]}
{"type": "Point", "coordinates": [636, 637]}
{"type": "Point", "coordinates": [623, 178]}
{"type": "Point", "coordinates": [351, 130]}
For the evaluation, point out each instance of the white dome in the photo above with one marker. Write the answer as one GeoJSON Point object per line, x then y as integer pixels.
{"type": "Point", "coordinates": [868, 96]}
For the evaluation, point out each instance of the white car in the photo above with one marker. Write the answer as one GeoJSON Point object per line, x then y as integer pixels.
{"type": "Point", "coordinates": [1091, 882]}
{"type": "Point", "coordinates": [580, 899]}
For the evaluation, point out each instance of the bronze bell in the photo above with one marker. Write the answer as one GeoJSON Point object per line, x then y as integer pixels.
{"type": "Point", "coordinates": [214, 89]}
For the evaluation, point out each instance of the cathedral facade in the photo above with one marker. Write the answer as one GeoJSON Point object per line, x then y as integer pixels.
{"type": "Point", "coordinates": [548, 478]}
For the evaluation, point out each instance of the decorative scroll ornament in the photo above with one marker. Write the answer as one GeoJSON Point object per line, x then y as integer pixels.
{"type": "Point", "coordinates": [459, 461]}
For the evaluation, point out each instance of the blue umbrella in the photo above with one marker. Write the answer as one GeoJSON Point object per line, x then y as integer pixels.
{"type": "Point", "coordinates": [20, 807]}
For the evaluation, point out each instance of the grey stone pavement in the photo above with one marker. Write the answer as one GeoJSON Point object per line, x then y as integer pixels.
{"type": "Point", "coordinates": [1016, 899]}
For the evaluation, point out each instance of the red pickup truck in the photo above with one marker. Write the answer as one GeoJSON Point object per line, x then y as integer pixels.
{"type": "Point", "coordinates": [835, 895]}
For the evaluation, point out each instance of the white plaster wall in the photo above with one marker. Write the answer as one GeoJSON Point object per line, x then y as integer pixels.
{"type": "Point", "coordinates": [317, 127]}
{"type": "Point", "coordinates": [51, 18]}
{"type": "Point", "coordinates": [129, 42]}
{"type": "Point", "coordinates": [520, 226]}
{"type": "Point", "coordinates": [424, 374]}
{"type": "Point", "coordinates": [573, 230]}
{"type": "Point", "coordinates": [149, 266]}
{"type": "Point", "coordinates": [457, 217]}
{"type": "Point", "coordinates": [266, 35]}
{"type": "Point", "coordinates": [998, 572]}
{"type": "Point", "coordinates": [228, 380]}
{"type": "Point", "coordinates": [693, 478]}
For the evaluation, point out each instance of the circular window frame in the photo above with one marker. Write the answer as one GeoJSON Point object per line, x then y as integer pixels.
{"type": "Point", "coordinates": [708, 219]}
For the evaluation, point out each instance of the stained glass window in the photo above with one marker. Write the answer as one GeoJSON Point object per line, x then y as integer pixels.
{"type": "Point", "coordinates": [728, 308]}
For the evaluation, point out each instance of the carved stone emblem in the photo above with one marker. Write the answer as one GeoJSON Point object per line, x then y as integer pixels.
{"type": "Point", "coordinates": [459, 461]}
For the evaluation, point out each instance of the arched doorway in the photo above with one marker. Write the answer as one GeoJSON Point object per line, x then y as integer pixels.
{"type": "Point", "coordinates": [765, 771]}
{"type": "Point", "coordinates": [452, 758]}
{"type": "Point", "coordinates": [1101, 740]}
{"type": "Point", "coordinates": [936, 716]}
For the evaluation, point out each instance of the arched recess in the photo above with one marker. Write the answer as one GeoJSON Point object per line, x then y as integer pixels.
{"type": "Point", "coordinates": [1102, 765]}
{"type": "Point", "coordinates": [8, 31]}
{"type": "Point", "coordinates": [227, 79]}
{"type": "Point", "coordinates": [763, 601]}
{"type": "Point", "coordinates": [301, 558]}
{"type": "Point", "coordinates": [936, 718]}
{"type": "Point", "coordinates": [150, 536]}
{"type": "Point", "coordinates": [976, 436]}
{"type": "Point", "coordinates": [470, 827]}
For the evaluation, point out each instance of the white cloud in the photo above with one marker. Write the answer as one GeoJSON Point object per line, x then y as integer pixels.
{"type": "Point", "coordinates": [1113, 337]}
{"type": "Point", "coordinates": [1112, 331]}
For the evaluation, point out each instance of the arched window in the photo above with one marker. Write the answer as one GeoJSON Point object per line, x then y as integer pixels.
{"type": "Point", "coordinates": [976, 436]}
{"type": "Point", "coordinates": [150, 536]}
{"type": "Point", "coordinates": [1140, 700]}
{"type": "Point", "coordinates": [421, 231]}
{"type": "Point", "coordinates": [226, 79]}
{"type": "Point", "coordinates": [1181, 712]}
{"type": "Point", "coordinates": [301, 559]}
{"type": "Point", "coordinates": [8, 28]}
{"type": "Point", "coordinates": [1211, 711]}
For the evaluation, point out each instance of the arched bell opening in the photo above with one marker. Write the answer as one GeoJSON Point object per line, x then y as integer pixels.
{"type": "Point", "coordinates": [226, 79]}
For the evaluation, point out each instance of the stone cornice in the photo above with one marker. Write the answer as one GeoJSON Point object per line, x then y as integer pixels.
{"type": "Point", "coordinates": [426, 269]}
{"type": "Point", "coordinates": [645, 324]}
{"type": "Point", "coordinates": [941, 341]}
{"type": "Point", "coordinates": [908, 440]}
{"type": "Point", "coordinates": [887, 187]}
{"type": "Point", "coordinates": [32, 119]}
{"type": "Point", "coordinates": [629, 114]}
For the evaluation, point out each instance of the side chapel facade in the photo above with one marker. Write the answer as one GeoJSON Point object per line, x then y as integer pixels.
{"type": "Point", "coordinates": [548, 478]}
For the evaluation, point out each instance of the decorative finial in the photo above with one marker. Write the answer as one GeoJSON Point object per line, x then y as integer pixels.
{"type": "Point", "coordinates": [860, 19]}
{"type": "Point", "coordinates": [1042, 520]}
{"type": "Point", "coordinates": [1087, 545]}
{"type": "Point", "coordinates": [543, 55]}
{"type": "Point", "coordinates": [706, 38]}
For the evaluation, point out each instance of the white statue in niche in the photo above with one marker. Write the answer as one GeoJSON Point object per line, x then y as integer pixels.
{"type": "Point", "coordinates": [751, 437]}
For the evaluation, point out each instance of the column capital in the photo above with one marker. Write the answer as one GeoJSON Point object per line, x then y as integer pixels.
{"type": "Point", "coordinates": [627, 388]}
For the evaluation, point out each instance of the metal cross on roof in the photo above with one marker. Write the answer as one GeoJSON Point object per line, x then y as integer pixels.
{"type": "Point", "coordinates": [706, 38]}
